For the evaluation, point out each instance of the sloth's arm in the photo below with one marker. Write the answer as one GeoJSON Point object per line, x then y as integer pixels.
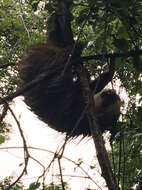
{"type": "Point", "coordinates": [100, 82]}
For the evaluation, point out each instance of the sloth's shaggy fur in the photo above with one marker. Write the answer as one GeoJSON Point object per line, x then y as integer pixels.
{"type": "Point", "coordinates": [58, 100]}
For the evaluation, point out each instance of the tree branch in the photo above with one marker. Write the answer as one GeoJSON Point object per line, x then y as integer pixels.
{"type": "Point", "coordinates": [23, 89]}
{"type": "Point", "coordinates": [96, 134]}
{"type": "Point", "coordinates": [26, 153]}
{"type": "Point", "coordinates": [4, 66]}
{"type": "Point", "coordinates": [43, 76]}
{"type": "Point", "coordinates": [131, 53]}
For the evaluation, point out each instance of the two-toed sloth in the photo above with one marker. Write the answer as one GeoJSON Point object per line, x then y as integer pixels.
{"type": "Point", "coordinates": [58, 100]}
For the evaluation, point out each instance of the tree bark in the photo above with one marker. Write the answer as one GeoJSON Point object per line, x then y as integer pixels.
{"type": "Point", "coordinates": [102, 155]}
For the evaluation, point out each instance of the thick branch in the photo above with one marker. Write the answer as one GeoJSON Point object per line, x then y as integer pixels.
{"type": "Point", "coordinates": [28, 86]}
{"type": "Point", "coordinates": [4, 66]}
{"type": "Point", "coordinates": [111, 55]}
{"type": "Point", "coordinates": [97, 136]}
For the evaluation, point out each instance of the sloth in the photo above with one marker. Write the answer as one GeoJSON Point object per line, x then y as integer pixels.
{"type": "Point", "coordinates": [58, 99]}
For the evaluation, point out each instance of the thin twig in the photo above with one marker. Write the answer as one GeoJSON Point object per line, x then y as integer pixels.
{"type": "Point", "coordinates": [22, 18]}
{"type": "Point", "coordinates": [61, 175]}
{"type": "Point", "coordinates": [68, 159]}
{"type": "Point", "coordinates": [26, 153]}
{"type": "Point", "coordinates": [4, 112]}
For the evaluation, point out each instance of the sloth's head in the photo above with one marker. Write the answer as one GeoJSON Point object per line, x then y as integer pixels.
{"type": "Point", "coordinates": [107, 108]}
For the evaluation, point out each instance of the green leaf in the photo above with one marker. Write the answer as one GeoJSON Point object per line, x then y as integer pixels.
{"type": "Point", "coordinates": [120, 62]}
{"type": "Point", "coordinates": [7, 3]}
{"type": "Point", "coordinates": [49, 7]}
{"type": "Point", "coordinates": [34, 186]}
{"type": "Point", "coordinates": [139, 115]}
{"type": "Point", "coordinates": [121, 44]}
{"type": "Point", "coordinates": [34, 4]}
{"type": "Point", "coordinates": [2, 139]}
{"type": "Point", "coordinates": [122, 32]}
{"type": "Point", "coordinates": [137, 62]}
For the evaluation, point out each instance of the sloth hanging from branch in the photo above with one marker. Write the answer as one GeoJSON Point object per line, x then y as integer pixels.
{"type": "Point", "coordinates": [58, 99]}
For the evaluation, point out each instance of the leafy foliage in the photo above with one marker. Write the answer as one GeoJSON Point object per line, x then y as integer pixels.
{"type": "Point", "coordinates": [33, 186]}
{"type": "Point", "coordinates": [56, 187]}
{"type": "Point", "coordinates": [7, 181]}
{"type": "Point", "coordinates": [106, 26]}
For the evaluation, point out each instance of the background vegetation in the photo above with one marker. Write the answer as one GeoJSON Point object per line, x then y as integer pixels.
{"type": "Point", "coordinates": [107, 26]}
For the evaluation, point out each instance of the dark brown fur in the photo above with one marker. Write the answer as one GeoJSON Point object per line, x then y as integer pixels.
{"type": "Point", "coordinates": [58, 100]}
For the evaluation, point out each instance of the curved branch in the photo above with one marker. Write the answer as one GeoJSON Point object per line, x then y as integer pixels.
{"type": "Point", "coordinates": [23, 89]}
{"type": "Point", "coordinates": [26, 153]}
{"type": "Point", "coordinates": [131, 53]}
